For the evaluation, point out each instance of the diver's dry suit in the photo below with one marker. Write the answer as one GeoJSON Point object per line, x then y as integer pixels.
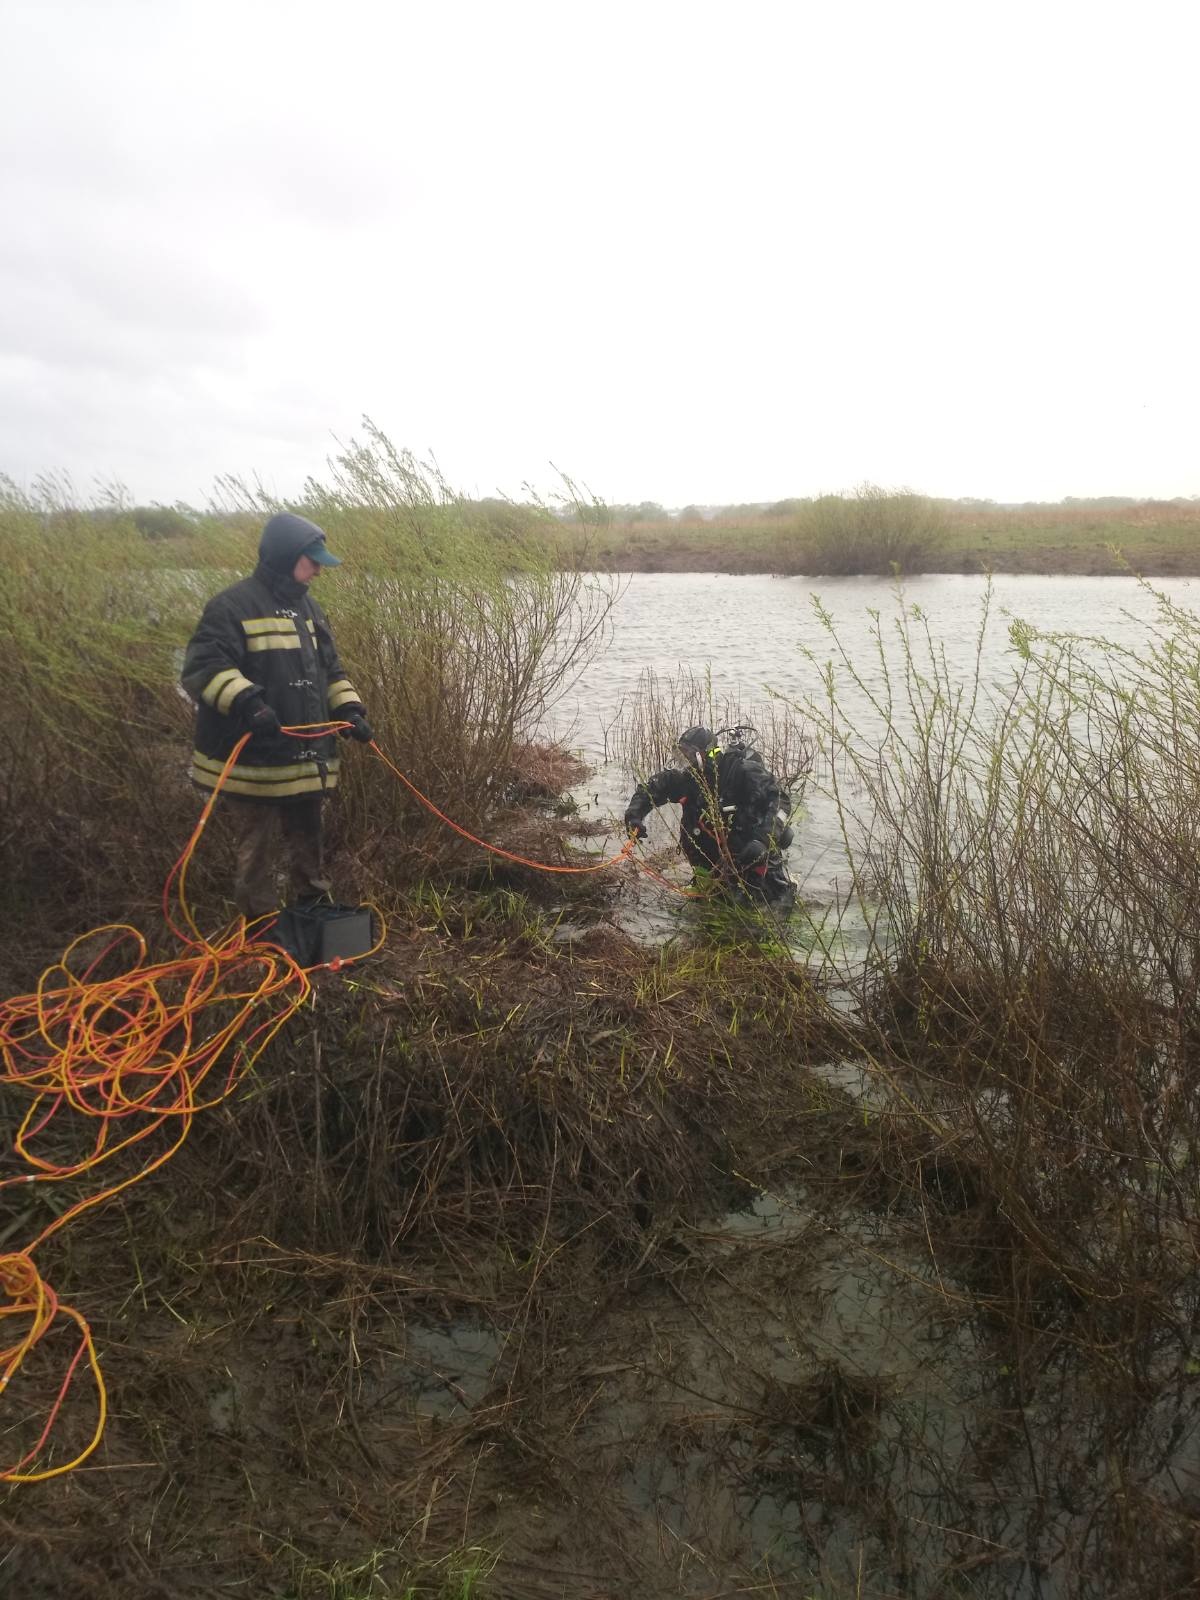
{"type": "Point", "coordinates": [732, 805]}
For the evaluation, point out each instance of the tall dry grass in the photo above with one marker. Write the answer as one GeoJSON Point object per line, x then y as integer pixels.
{"type": "Point", "coordinates": [90, 768]}
{"type": "Point", "coordinates": [453, 622]}
{"type": "Point", "coordinates": [644, 735]}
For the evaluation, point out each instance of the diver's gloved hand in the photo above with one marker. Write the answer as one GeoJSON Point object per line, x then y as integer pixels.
{"type": "Point", "coordinates": [359, 728]}
{"type": "Point", "coordinates": [259, 719]}
{"type": "Point", "coordinates": [635, 828]}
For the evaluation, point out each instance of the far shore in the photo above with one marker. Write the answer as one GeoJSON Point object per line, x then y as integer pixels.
{"type": "Point", "coordinates": [1155, 539]}
{"type": "Point", "coordinates": [867, 532]}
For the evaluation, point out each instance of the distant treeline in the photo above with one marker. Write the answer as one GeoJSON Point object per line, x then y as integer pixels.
{"type": "Point", "coordinates": [866, 530]}
{"type": "Point", "coordinates": [507, 517]}
{"type": "Point", "coordinates": [652, 511]}
{"type": "Point", "coordinates": [875, 530]}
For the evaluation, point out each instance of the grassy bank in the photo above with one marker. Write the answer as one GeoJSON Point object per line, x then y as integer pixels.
{"type": "Point", "coordinates": [381, 505]}
{"type": "Point", "coordinates": [360, 1330]}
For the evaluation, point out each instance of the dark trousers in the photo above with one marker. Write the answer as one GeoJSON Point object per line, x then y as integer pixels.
{"type": "Point", "coordinates": [256, 825]}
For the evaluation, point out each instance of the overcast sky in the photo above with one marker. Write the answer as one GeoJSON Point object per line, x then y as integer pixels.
{"type": "Point", "coordinates": [686, 252]}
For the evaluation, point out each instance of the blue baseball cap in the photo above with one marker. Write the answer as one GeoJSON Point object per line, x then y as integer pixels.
{"type": "Point", "coordinates": [316, 551]}
{"type": "Point", "coordinates": [287, 536]}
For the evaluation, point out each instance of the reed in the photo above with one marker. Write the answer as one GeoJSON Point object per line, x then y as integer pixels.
{"type": "Point", "coordinates": [457, 628]}
{"type": "Point", "coordinates": [644, 734]}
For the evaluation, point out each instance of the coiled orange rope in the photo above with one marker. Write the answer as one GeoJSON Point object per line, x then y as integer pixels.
{"type": "Point", "coordinates": [133, 1046]}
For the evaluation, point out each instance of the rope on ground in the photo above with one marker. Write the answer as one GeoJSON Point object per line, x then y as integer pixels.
{"type": "Point", "coordinates": [137, 1047]}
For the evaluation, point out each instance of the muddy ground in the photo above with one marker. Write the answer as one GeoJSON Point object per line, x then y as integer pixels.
{"type": "Point", "coordinates": [529, 1266]}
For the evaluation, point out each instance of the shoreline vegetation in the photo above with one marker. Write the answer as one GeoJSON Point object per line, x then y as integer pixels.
{"type": "Point", "coordinates": [869, 530]}
{"type": "Point", "coordinates": [877, 532]}
{"type": "Point", "coordinates": [1081, 539]}
{"type": "Point", "coordinates": [530, 1262]}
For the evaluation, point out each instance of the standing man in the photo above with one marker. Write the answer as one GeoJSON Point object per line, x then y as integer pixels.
{"type": "Point", "coordinates": [261, 659]}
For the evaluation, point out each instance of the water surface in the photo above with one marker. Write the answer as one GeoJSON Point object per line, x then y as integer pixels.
{"type": "Point", "coordinates": [752, 634]}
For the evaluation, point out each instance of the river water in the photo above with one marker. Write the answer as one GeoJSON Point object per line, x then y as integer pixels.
{"type": "Point", "coordinates": [753, 634]}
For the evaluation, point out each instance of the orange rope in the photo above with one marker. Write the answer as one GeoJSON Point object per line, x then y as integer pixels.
{"type": "Point", "coordinates": [675, 888]}
{"type": "Point", "coordinates": [29, 1296]}
{"type": "Point", "coordinates": [626, 853]}
{"type": "Point", "coordinates": [523, 861]}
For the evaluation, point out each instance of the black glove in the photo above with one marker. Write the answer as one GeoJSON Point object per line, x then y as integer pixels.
{"type": "Point", "coordinates": [359, 728]}
{"type": "Point", "coordinates": [635, 827]}
{"type": "Point", "coordinates": [259, 719]}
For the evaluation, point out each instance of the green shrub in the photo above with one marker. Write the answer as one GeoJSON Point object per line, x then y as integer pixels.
{"type": "Point", "coordinates": [1025, 859]}
{"type": "Point", "coordinates": [871, 530]}
{"type": "Point", "coordinates": [162, 522]}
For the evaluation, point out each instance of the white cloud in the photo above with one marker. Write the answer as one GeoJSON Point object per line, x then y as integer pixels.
{"type": "Point", "coordinates": [686, 251]}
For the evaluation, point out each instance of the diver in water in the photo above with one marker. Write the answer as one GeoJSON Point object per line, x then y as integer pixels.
{"type": "Point", "coordinates": [734, 815]}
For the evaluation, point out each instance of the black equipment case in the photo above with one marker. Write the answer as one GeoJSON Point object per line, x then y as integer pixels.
{"type": "Point", "coordinates": [316, 932]}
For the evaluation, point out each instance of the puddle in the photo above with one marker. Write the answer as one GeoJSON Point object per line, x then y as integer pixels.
{"type": "Point", "coordinates": [789, 1410]}
{"type": "Point", "coordinates": [767, 1214]}
{"type": "Point", "coordinates": [854, 1077]}
{"type": "Point", "coordinates": [445, 1371]}
{"type": "Point", "coordinates": [223, 1410]}
{"type": "Point", "coordinates": [685, 1494]}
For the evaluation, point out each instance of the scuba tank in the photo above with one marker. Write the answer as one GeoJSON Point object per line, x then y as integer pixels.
{"type": "Point", "coordinates": [758, 860]}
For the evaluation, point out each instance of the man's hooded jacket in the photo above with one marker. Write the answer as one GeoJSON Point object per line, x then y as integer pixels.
{"type": "Point", "coordinates": [267, 640]}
